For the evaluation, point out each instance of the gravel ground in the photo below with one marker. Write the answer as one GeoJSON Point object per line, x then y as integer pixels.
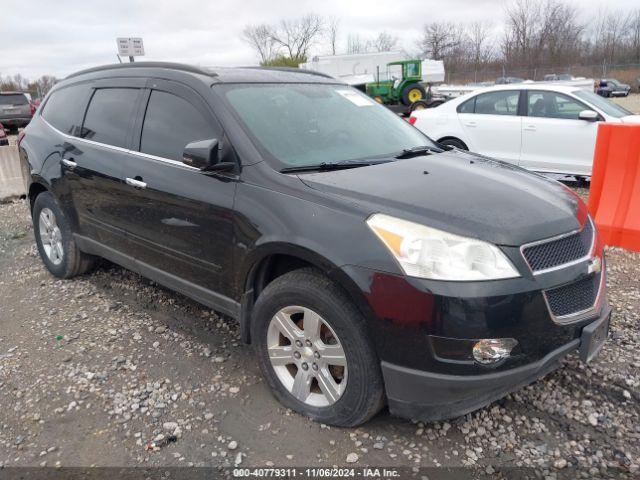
{"type": "Point", "coordinates": [95, 368]}
{"type": "Point", "coordinates": [631, 102]}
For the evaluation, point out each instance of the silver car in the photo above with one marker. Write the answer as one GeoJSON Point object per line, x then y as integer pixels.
{"type": "Point", "coordinates": [15, 110]}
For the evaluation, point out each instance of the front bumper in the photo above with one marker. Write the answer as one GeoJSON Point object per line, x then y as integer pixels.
{"type": "Point", "coordinates": [427, 396]}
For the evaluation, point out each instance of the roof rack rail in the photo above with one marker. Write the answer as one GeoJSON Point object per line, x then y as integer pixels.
{"type": "Point", "coordinates": [291, 69]}
{"type": "Point", "coordinates": [169, 65]}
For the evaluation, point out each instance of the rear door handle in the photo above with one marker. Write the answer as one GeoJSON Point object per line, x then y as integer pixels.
{"type": "Point", "coordinates": [135, 183]}
{"type": "Point", "coordinates": [530, 128]}
{"type": "Point", "coordinates": [69, 163]}
{"type": "Point", "coordinates": [471, 124]}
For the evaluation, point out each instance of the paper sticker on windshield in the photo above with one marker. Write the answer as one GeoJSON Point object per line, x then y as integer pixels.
{"type": "Point", "coordinates": [355, 98]}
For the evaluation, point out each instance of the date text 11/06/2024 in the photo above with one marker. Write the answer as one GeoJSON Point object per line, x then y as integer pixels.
{"type": "Point", "coordinates": [291, 472]}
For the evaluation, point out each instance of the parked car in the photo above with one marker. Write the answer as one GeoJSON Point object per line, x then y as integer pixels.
{"type": "Point", "coordinates": [508, 80]}
{"type": "Point", "coordinates": [562, 77]}
{"type": "Point", "coordinates": [616, 88]}
{"type": "Point", "coordinates": [15, 110]}
{"type": "Point", "coordinates": [364, 263]}
{"type": "Point", "coordinates": [541, 127]}
{"type": "Point", "coordinates": [3, 137]}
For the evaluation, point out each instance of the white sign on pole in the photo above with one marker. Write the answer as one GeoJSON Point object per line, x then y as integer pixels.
{"type": "Point", "coordinates": [130, 46]}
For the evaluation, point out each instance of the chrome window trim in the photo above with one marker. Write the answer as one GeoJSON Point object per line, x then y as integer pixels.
{"type": "Point", "coordinates": [175, 163]}
{"type": "Point", "coordinates": [582, 314]}
{"type": "Point", "coordinates": [588, 256]}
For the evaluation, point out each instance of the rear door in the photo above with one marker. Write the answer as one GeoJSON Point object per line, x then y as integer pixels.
{"type": "Point", "coordinates": [93, 163]}
{"type": "Point", "coordinates": [181, 220]}
{"type": "Point", "coordinates": [553, 138]}
{"type": "Point", "coordinates": [493, 127]}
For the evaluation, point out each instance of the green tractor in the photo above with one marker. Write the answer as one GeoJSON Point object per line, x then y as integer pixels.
{"type": "Point", "coordinates": [401, 95]}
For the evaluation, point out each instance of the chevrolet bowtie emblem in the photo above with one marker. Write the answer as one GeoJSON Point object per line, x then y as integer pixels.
{"type": "Point", "coordinates": [595, 265]}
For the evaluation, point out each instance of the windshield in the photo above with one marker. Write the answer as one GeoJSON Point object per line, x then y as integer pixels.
{"type": "Point", "coordinates": [13, 99]}
{"type": "Point", "coordinates": [608, 107]}
{"type": "Point", "coordinates": [310, 124]}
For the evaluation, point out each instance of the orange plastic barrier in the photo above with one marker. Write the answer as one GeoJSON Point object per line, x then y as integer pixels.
{"type": "Point", "coordinates": [614, 197]}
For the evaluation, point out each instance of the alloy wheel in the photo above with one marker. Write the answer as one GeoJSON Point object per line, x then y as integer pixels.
{"type": "Point", "coordinates": [307, 356]}
{"type": "Point", "coordinates": [51, 236]}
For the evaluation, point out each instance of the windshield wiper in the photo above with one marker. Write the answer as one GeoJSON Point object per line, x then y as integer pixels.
{"type": "Point", "coordinates": [327, 166]}
{"type": "Point", "coordinates": [417, 151]}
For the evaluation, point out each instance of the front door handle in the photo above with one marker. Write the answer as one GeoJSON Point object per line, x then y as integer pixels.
{"type": "Point", "coordinates": [69, 163]}
{"type": "Point", "coordinates": [135, 183]}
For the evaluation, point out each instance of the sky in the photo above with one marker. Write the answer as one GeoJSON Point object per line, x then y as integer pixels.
{"type": "Point", "coordinates": [59, 37]}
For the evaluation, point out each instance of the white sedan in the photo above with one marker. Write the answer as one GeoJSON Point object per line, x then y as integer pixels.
{"type": "Point", "coordinates": [542, 127]}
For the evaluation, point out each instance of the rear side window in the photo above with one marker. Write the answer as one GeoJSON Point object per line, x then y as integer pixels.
{"type": "Point", "coordinates": [109, 115]}
{"type": "Point", "coordinates": [13, 99]}
{"type": "Point", "coordinates": [65, 108]}
{"type": "Point", "coordinates": [498, 103]}
{"type": "Point", "coordinates": [170, 123]}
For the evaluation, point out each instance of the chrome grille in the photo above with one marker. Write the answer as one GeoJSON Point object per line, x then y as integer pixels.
{"type": "Point", "coordinates": [555, 252]}
{"type": "Point", "coordinates": [574, 298]}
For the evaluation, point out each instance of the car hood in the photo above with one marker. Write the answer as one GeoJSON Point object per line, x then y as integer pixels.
{"type": "Point", "coordinates": [631, 119]}
{"type": "Point", "coordinates": [461, 193]}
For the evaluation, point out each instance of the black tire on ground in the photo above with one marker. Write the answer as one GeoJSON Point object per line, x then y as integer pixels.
{"type": "Point", "coordinates": [74, 262]}
{"type": "Point", "coordinates": [408, 89]}
{"type": "Point", "coordinates": [419, 105]}
{"type": "Point", "coordinates": [363, 396]}
{"type": "Point", "coordinates": [453, 142]}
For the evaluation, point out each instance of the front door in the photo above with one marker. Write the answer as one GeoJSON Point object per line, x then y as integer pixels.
{"type": "Point", "coordinates": [179, 220]}
{"type": "Point", "coordinates": [553, 138]}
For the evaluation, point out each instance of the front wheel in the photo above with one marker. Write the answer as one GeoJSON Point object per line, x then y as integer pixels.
{"type": "Point", "coordinates": [413, 93]}
{"type": "Point", "coordinates": [314, 351]}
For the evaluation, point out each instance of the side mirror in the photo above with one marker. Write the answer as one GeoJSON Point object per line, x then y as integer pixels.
{"type": "Point", "coordinates": [204, 154]}
{"type": "Point", "coordinates": [588, 115]}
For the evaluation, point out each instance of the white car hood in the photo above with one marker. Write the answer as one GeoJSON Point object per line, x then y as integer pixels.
{"type": "Point", "coordinates": [631, 119]}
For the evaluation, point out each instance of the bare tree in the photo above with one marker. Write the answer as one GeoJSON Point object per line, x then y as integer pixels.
{"type": "Point", "coordinates": [355, 44]}
{"type": "Point", "coordinates": [296, 36]}
{"type": "Point", "coordinates": [260, 37]}
{"type": "Point", "coordinates": [333, 25]}
{"type": "Point", "coordinates": [438, 39]}
{"type": "Point", "coordinates": [384, 42]}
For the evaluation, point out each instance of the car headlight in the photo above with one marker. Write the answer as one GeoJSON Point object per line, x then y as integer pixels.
{"type": "Point", "coordinates": [426, 252]}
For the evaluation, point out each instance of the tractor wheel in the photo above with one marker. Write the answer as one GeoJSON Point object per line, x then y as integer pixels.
{"type": "Point", "coordinates": [413, 93]}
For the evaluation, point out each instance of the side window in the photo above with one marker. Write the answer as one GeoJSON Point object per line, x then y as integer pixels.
{"type": "Point", "coordinates": [170, 123]}
{"type": "Point", "coordinates": [553, 105]}
{"type": "Point", "coordinates": [65, 107]}
{"type": "Point", "coordinates": [468, 106]}
{"type": "Point", "coordinates": [109, 114]}
{"type": "Point", "coordinates": [498, 103]}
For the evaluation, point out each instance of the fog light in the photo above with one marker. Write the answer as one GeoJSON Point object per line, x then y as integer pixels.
{"type": "Point", "coordinates": [492, 350]}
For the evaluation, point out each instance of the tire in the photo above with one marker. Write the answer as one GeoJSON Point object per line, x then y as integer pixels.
{"type": "Point", "coordinates": [419, 105]}
{"type": "Point", "coordinates": [453, 142]}
{"type": "Point", "coordinates": [71, 261]}
{"type": "Point", "coordinates": [410, 90]}
{"type": "Point", "coordinates": [363, 394]}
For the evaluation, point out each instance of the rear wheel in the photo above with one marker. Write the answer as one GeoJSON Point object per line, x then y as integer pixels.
{"type": "Point", "coordinates": [314, 351]}
{"type": "Point", "coordinates": [54, 239]}
{"type": "Point", "coordinates": [453, 142]}
{"type": "Point", "coordinates": [413, 93]}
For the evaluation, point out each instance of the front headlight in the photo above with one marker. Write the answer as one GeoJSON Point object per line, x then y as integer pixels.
{"type": "Point", "coordinates": [426, 252]}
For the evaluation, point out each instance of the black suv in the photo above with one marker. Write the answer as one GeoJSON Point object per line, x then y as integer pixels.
{"type": "Point", "coordinates": [365, 263]}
